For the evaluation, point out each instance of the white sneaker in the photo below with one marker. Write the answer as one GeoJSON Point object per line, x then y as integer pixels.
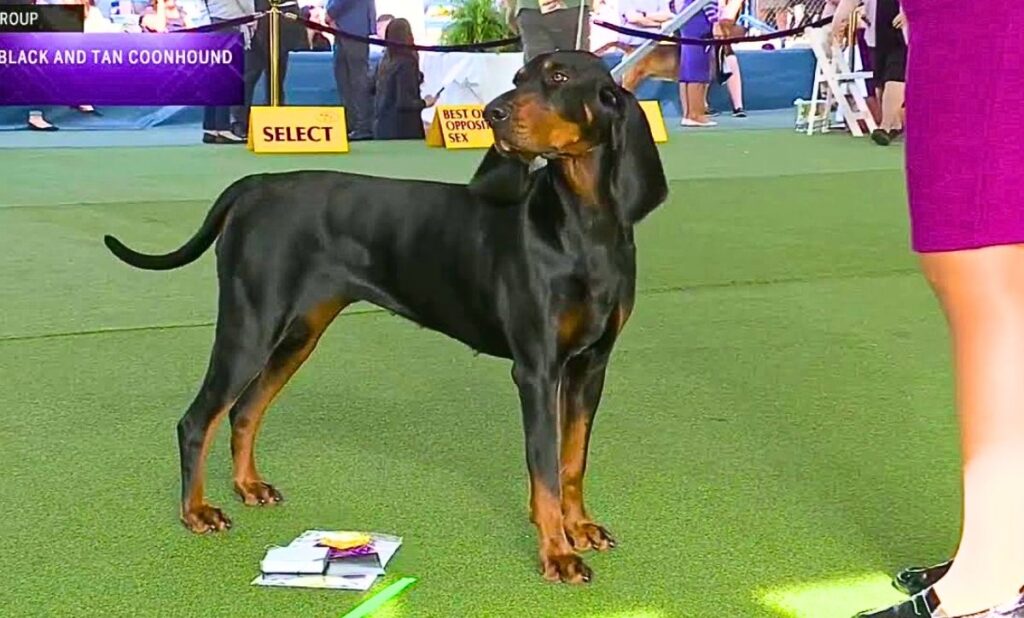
{"type": "Point", "coordinates": [231, 137]}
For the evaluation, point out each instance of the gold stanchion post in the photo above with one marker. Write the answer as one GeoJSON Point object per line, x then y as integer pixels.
{"type": "Point", "coordinates": [275, 52]}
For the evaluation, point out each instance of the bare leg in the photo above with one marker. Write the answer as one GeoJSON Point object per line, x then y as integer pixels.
{"type": "Point", "coordinates": [695, 96]}
{"type": "Point", "coordinates": [892, 106]}
{"type": "Point", "coordinates": [735, 82]}
{"type": "Point", "coordinates": [982, 294]}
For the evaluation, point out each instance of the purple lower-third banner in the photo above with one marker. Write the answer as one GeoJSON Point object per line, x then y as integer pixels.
{"type": "Point", "coordinates": [121, 69]}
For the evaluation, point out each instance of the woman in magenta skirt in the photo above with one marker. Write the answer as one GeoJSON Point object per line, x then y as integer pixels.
{"type": "Point", "coordinates": [965, 160]}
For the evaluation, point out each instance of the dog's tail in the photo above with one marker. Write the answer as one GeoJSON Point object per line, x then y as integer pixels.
{"type": "Point", "coordinates": [194, 247]}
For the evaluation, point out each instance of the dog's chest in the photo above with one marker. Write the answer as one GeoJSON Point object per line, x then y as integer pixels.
{"type": "Point", "coordinates": [593, 301]}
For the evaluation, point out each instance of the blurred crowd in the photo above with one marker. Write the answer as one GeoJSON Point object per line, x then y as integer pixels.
{"type": "Point", "coordinates": [387, 103]}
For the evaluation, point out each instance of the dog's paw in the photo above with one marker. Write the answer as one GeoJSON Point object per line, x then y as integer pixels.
{"type": "Point", "coordinates": [566, 568]}
{"type": "Point", "coordinates": [205, 518]}
{"type": "Point", "coordinates": [258, 493]}
{"type": "Point", "coordinates": [586, 535]}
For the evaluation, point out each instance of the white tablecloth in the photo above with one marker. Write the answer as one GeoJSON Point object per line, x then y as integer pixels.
{"type": "Point", "coordinates": [467, 77]}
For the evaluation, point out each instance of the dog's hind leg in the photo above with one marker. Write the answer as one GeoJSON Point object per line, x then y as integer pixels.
{"type": "Point", "coordinates": [296, 344]}
{"type": "Point", "coordinates": [237, 356]}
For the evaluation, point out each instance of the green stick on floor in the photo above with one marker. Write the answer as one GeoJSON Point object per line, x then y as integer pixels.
{"type": "Point", "coordinates": [367, 607]}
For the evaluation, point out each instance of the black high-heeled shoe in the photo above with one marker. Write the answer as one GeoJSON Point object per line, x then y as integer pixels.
{"type": "Point", "coordinates": [913, 580]}
{"type": "Point", "coordinates": [926, 604]}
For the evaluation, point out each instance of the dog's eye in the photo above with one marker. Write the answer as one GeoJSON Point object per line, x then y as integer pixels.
{"type": "Point", "coordinates": [559, 77]}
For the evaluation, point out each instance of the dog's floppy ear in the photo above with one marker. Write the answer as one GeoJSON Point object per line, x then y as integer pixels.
{"type": "Point", "coordinates": [500, 179]}
{"type": "Point", "coordinates": [637, 182]}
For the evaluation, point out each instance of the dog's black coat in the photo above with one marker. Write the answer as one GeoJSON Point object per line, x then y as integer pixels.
{"type": "Point", "coordinates": [535, 267]}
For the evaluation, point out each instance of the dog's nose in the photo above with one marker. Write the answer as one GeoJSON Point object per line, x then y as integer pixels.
{"type": "Point", "coordinates": [496, 113]}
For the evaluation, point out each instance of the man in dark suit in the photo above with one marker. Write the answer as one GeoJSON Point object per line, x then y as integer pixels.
{"type": "Point", "coordinates": [352, 62]}
{"type": "Point", "coordinates": [257, 59]}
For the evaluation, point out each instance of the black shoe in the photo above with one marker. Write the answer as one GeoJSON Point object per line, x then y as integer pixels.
{"type": "Point", "coordinates": [220, 138]}
{"type": "Point", "coordinates": [359, 137]}
{"type": "Point", "coordinates": [712, 112]}
{"type": "Point", "coordinates": [914, 580]}
{"type": "Point", "coordinates": [881, 137]}
{"type": "Point", "coordinates": [895, 134]}
{"type": "Point", "coordinates": [739, 113]}
{"type": "Point", "coordinates": [926, 604]}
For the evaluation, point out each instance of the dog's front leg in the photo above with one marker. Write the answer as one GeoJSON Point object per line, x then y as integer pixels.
{"type": "Point", "coordinates": [582, 387]}
{"type": "Point", "coordinates": [541, 398]}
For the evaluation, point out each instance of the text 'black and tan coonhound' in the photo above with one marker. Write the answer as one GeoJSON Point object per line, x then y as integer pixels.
{"type": "Point", "coordinates": [535, 266]}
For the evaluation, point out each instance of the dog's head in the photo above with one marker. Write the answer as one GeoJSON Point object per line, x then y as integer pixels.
{"type": "Point", "coordinates": [566, 105]}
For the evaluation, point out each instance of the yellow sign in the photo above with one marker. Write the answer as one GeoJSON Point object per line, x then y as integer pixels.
{"type": "Point", "coordinates": [653, 112]}
{"type": "Point", "coordinates": [460, 126]}
{"type": "Point", "coordinates": [288, 130]}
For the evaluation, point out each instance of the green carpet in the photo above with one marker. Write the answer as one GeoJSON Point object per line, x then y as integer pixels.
{"type": "Point", "coordinates": [767, 445]}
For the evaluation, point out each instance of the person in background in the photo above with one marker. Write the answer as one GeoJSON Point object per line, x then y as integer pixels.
{"type": "Point", "coordinates": [885, 35]}
{"type": "Point", "coordinates": [36, 121]}
{"type": "Point", "coordinates": [162, 16]}
{"type": "Point", "coordinates": [257, 61]}
{"type": "Point", "coordinates": [352, 63]}
{"type": "Point", "coordinates": [728, 63]}
{"type": "Point", "coordinates": [95, 20]}
{"type": "Point", "coordinates": [382, 24]}
{"type": "Point", "coordinates": [398, 103]}
{"type": "Point", "coordinates": [695, 67]}
{"type": "Point", "coordinates": [646, 15]}
{"type": "Point", "coordinates": [728, 74]}
{"type": "Point", "coordinates": [549, 25]}
{"type": "Point", "coordinates": [316, 40]}
{"type": "Point", "coordinates": [217, 119]}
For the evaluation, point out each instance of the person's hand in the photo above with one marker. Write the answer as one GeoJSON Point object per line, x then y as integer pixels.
{"type": "Point", "coordinates": [430, 100]}
{"type": "Point", "coordinates": [900, 21]}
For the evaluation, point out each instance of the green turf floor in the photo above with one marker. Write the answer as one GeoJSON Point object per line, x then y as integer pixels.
{"type": "Point", "coordinates": [776, 432]}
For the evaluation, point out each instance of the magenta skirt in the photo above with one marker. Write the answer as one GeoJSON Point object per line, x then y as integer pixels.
{"type": "Point", "coordinates": [965, 124]}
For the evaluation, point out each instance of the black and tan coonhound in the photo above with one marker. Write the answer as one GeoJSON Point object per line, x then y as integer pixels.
{"type": "Point", "coordinates": [535, 266]}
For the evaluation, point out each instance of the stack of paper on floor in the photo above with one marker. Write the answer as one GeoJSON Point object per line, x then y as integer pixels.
{"type": "Point", "coordinates": [337, 560]}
